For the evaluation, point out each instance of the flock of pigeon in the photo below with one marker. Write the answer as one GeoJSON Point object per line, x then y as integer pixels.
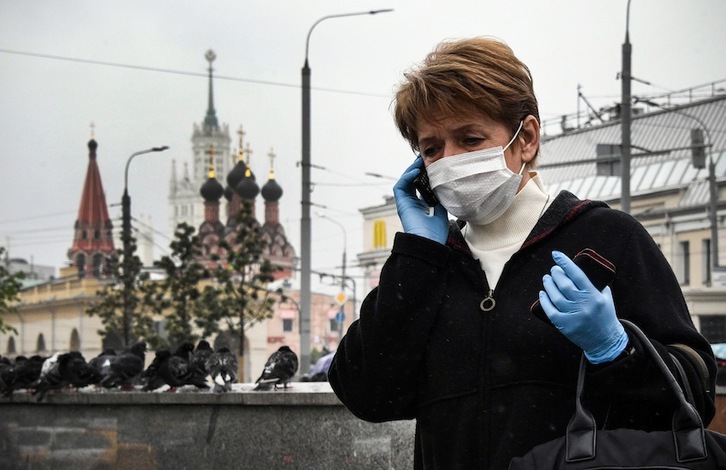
{"type": "Point", "coordinates": [126, 371]}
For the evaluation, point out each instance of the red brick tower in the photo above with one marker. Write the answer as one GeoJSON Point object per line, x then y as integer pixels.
{"type": "Point", "coordinates": [93, 230]}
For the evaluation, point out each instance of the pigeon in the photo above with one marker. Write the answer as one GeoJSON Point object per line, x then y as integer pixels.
{"type": "Point", "coordinates": [222, 368]}
{"type": "Point", "coordinates": [50, 363]}
{"type": "Point", "coordinates": [174, 370]}
{"type": "Point", "coordinates": [24, 374]}
{"type": "Point", "coordinates": [279, 369]}
{"type": "Point", "coordinates": [150, 378]}
{"type": "Point", "coordinates": [66, 369]}
{"type": "Point", "coordinates": [102, 362]}
{"type": "Point", "coordinates": [6, 372]}
{"type": "Point", "coordinates": [200, 356]}
{"type": "Point", "coordinates": [75, 371]}
{"type": "Point", "coordinates": [125, 367]}
{"type": "Point", "coordinates": [50, 377]}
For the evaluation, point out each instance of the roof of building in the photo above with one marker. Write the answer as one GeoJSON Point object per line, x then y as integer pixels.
{"type": "Point", "coordinates": [661, 152]}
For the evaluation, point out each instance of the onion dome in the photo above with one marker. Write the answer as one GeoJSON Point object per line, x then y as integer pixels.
{"type": "Point", "coordinates": [248, 188]}
{"type": "Point", "coordinates": [271, 191]}
{"type": "Point", "coordinates": [228, 193]}
{"type": "Point", "coordinates": [239, 171]}
{"type": "Point", "coordinates": [212, 190]}
{"type": "Point", "coordinates": [237, 174]}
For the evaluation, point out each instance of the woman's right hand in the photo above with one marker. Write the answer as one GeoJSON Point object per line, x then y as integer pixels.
{"type": "Point", "coordinates": [414, 212]}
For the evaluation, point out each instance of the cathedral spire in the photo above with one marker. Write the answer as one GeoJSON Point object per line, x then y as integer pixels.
{"type": "Point", "coordinates": [210, 120]}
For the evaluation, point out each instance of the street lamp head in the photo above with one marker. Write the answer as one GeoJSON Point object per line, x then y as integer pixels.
{"type": "Point", "coordinates": [340, 15]}
{"type": "Point", "coordinates": [136, 154]}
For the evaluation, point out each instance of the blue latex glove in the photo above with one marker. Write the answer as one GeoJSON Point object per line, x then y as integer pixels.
{"type": "Point", "coordinates": [414, 212]}
{"type": "Point", "coordinates": [583, 314]}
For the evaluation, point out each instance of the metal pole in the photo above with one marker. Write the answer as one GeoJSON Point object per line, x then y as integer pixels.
{"type": "Point", "coordinates": [305, 230]}
{"type": "Point", "coordinates": [713, 214]}
{"type": "Point", "coordinates": [625, 110]}
{"type": "Point", "coordinates": [126, 239]}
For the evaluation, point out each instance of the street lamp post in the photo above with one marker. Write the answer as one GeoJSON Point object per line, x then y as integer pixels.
{"type": "Point", "coordinates": [126, 239]}
{"type": "Point", "coordinates": [305, 230]}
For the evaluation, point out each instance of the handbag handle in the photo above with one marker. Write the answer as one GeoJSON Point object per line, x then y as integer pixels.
{"type": "Point", "coordinates": [688, 431]}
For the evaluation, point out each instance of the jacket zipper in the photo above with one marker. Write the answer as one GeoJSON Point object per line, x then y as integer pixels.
{"type": "Point", "coordinates": [488, 303]}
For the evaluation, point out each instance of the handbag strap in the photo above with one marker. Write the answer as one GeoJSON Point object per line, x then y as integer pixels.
{"type": "Point", "coordinates": [684, 379]}
{"type": "Point", "coordinates": [688, 430]}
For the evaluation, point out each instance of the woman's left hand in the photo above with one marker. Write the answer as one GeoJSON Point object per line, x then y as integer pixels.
{"type": "Point", "coordinates": [585, 315]}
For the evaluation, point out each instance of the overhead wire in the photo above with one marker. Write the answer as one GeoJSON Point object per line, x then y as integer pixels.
{"type": "Point", "coordinates": [183, 72]}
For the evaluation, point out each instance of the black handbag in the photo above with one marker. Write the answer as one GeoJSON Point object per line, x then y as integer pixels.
{"type": "Point", "coordinates": [687, 446]}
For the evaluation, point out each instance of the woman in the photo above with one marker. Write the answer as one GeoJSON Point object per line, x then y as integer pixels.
{"type": "Point", "coordinates": [448, 337]}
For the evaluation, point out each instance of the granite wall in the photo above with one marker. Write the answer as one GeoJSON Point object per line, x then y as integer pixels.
{"type": "Point", "coordinates": [305, 427]}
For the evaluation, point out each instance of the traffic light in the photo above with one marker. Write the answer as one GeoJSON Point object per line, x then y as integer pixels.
{"type": "Point", "coordinates": [698, 149]}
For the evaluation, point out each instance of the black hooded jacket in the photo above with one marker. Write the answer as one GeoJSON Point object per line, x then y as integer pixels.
{"type": "Point", "coordinates": [485, 386]}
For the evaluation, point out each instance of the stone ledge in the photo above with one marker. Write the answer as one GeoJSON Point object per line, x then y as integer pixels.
{"type": "Point", "coordinates": [297, 394]}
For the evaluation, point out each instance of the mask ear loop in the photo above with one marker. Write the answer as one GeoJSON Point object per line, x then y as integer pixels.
{"type": "Point", "coordinates": [521, 170]}
{"type": "Point", "coordinates": [514, 136]}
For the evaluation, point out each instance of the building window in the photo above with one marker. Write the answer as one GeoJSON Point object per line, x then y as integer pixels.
{"type": "Point", "coordinates": [706, 261]}
{"type": "Point", "coordinates": [713, 328]}
{"type": "Point", "coordinates": [287, 325]}
{"type": "Point", "coordinates": [379, 234]}
{"type": "Point", "coordinates": [40, 344]}
{"type": "Point", "coordinates": [11, 345]}
{"type": "Point", "coordinates": [97, 264]}
{"type": "Point", "coordinates": [685, 268]}
{"type": "Point", "coordinates": [608, 156]}
{"type": "Point", "coordinates": [81, 262]}
{"type": "Point", "coordinates": [75, 340]}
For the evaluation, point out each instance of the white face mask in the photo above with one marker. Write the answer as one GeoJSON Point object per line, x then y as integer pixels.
{"type": "Point", "coordinates": [475, 186]}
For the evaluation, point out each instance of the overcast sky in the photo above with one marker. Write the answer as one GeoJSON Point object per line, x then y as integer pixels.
{"type": "Point", "coordinates": [47, 104]}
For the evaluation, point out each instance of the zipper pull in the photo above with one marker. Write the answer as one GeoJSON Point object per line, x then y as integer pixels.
{"type": "Point", "coordinates": [488, 303]}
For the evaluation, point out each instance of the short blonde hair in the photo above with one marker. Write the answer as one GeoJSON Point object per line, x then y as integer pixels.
{"type": "Point", "coordinates": [466, 76]}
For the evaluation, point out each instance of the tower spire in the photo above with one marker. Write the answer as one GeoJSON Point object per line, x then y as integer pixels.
{"type": "Point", "coordinates": [210, 120]}
{"type": "Point", "coordinates": [93, 237]}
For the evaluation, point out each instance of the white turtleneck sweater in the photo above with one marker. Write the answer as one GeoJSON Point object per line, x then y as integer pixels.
{"type": "Point", "coordinates": [493, 244]}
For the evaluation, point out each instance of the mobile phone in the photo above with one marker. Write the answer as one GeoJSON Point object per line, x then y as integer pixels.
{"type": "Point", "coordinates": [422, 185]}
{"type": "Point", "coordinates": [598, 269]}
